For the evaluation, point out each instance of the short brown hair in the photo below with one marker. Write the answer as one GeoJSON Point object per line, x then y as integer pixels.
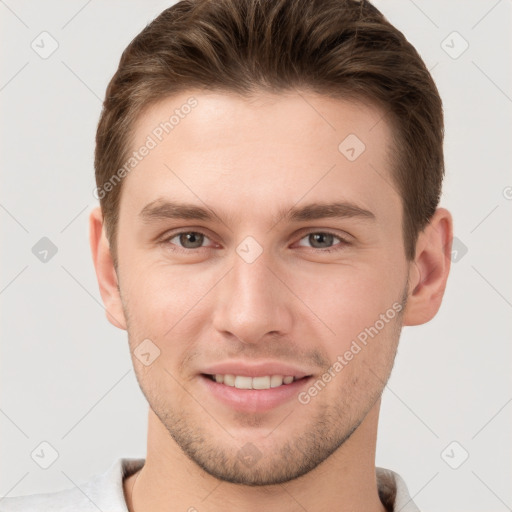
{"type": "Point", "coordinates": [341, 48]}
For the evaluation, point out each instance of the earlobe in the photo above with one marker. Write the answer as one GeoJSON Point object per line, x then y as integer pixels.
{"type": "Point", "coordinates": [105, 271]}
{"type": "Point", "coordinates": [429, 271]}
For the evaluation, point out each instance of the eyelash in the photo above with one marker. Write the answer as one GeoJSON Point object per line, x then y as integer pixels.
{"type": "Point", "coordinates": [343, 242]}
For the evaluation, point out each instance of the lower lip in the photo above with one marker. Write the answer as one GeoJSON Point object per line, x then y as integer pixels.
{"type": "Point", "coordinates": [254, 400]}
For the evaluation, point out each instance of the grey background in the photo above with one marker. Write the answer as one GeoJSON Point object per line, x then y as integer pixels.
{"type": "Point", "coordinates": [66, 374]}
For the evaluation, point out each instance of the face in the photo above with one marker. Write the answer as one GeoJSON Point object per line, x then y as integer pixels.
{"type": "Point", "coordinates": [255, 239]}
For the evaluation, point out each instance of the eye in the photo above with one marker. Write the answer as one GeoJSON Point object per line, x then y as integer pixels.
{"type": "Point", "coordinates": [187, 239]}
{"type": "Point", "coordinates": [323, 241]}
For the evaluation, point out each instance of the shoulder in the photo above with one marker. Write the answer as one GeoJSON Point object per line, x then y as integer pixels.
{"type": "Point", "coordinates": [60, 501]}
{"type": "Point", "coordinates": [103, 492]}
{"type": "Point", "coordinates": [393, 491]}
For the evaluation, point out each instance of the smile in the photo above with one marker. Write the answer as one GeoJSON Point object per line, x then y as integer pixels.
{"type": "Point", "coordinates": [260, 382]}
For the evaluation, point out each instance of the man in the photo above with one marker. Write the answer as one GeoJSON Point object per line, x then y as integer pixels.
{"type": "Point", "coordinates": [269, 175]}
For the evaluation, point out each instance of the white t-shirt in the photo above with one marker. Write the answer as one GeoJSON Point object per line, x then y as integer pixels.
{"type": "Point", "coordinates": [104, 492]}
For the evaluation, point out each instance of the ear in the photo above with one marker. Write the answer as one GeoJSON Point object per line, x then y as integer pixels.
{"type": "Point", "coordinates": [429, 271]}
{"type": "Point", "coordinates": [105, 270]}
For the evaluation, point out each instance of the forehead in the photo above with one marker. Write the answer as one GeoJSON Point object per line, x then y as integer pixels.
{"type": "Point", "coordinates": [271, 148]}
{"type": "Point", "coordinates": [201, 118]}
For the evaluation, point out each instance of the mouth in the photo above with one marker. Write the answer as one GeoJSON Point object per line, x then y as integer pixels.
{"type": "Point", "coordinates": [252, 386]}
{"type": "Point", "coordinates": [260, 382]}
{"type": "Point", "coordinates": [258, 394]}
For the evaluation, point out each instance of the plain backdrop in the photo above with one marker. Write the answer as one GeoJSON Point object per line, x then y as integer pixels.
{"type": "Point", "coordinates": [66, 374]}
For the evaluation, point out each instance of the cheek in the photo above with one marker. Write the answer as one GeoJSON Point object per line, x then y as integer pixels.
{"type": "Point", "coordinates": [164, 302]}
{"type": "Point", "coordinates": [161, 307]}
{"type": "Point", "coordinates": [349, 300]}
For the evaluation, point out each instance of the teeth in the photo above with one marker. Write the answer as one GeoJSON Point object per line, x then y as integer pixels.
{"type": "Point", "coordinates": [229, 380]}
{"type": "Point", "coordinates": [276, 380]}
{"type": "Point", "coordinates": [243, 382]}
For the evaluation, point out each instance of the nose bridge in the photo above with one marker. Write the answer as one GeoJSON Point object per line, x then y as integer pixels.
{"type": "Point", "coordinates": [251, 302]}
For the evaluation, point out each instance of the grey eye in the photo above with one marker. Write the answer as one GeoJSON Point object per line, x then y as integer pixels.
{"type": "Point", "coordinates": [189, 239]}
{"type": "Point", "coordinates": [320, 240]}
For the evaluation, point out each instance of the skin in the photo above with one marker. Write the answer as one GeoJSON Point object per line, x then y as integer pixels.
{"type": "Point", "coordinates": [247, 160]}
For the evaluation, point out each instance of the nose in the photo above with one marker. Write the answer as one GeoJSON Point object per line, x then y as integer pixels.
{"type": "Point", "coordinates": [252, 301]}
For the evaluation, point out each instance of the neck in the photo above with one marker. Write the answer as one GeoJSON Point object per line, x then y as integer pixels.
{"type": "Point", "coordinates": [169, 481]}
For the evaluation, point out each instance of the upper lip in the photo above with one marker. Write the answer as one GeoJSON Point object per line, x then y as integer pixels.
{"type": "Point", "coordinates": [255, 369]}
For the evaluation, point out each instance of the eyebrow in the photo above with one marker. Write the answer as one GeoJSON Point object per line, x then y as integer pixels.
{"type": "Point", "coordinates": [161, 209]}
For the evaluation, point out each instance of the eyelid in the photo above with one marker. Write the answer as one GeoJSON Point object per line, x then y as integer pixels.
{"type": "Point", "coordinates": [344, 239]}
{"type": "Point", "coordinates": [173, 234]}
{"type": "Point", "coordinates": [342, 235]}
